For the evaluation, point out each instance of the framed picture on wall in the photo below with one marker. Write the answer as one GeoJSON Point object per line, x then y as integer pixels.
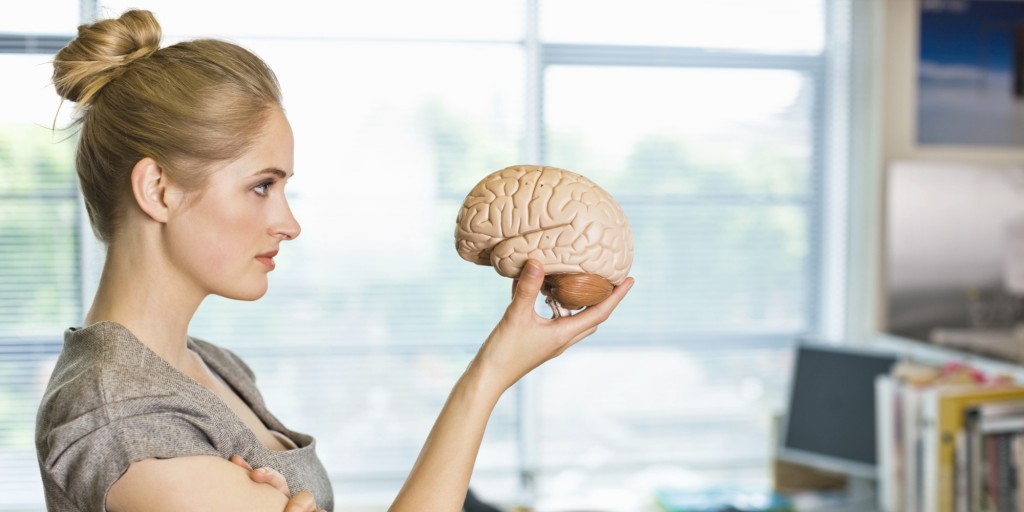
{"type": "Point", "coordinates": [971, 73]}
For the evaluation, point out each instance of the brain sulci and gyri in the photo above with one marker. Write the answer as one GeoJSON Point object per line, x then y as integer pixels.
{"type": "Point", "coordinates": [561, 218]}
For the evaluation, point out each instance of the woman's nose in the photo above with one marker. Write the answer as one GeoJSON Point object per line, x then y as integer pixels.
{"type": "Point", "coordinates": [287, 228]}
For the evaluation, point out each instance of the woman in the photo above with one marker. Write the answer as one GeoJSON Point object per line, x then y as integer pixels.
{"type": "Point", "coordinates": [183, 158]}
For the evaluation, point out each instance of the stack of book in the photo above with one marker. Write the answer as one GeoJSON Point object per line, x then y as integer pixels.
{"type": "Point", "coordinates": [949, 440]}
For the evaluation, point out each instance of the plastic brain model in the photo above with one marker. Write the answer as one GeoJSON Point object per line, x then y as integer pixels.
{"type": "Point", "coordinates": [553, 215]}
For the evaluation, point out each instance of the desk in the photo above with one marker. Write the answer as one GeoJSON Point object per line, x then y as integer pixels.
{"type": "Point", "coordinates": [837, 501]}
{"type": "Point", "coordinates": [634, 490]}
{"type": "Point", "coordinates": [852, 500]}
{"type": "Point", "coordinates": [817, 490]}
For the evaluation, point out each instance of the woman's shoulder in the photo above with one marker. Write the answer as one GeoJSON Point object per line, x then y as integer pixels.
{"type": "Point", "coordinates": [103, 363]}
{"type": "Point", "coordinates": [96, 363]}
{"type": "Point", "coordinates": [111, 402]}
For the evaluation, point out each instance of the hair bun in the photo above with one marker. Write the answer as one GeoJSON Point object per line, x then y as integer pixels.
{"type": "Point", "coordinates": [101, 51]}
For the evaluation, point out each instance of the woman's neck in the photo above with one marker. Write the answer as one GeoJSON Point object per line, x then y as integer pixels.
{"type": "Point", "coordinates": [139, 291]}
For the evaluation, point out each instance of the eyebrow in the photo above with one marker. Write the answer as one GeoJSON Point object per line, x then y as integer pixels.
{"type": "Point", "coordinates": [274, 170]}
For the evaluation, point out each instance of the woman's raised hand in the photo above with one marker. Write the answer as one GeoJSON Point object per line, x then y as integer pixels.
{"type": "Point", "coordinates": [523, 340]}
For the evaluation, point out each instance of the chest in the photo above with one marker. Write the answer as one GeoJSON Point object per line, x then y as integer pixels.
{"type": "Point", "coordinates": [270, 439]}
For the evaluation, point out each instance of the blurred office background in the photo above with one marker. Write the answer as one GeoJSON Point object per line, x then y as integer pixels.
{"type": "Point", "coordinates": [727, 130]}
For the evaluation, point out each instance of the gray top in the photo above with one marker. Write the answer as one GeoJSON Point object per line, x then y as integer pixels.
{"type": "Point", "coordinates": [111, 401]}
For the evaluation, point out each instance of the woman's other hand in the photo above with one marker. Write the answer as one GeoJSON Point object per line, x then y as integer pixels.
{"type": "Point", "coordinates": [201, 482]}
{"type": "Point", "coordinates": [302, 501]}
{"type": "Point", "coordinates": [523, 340]}
{"type": "Point", "coordinates": [264, 475]}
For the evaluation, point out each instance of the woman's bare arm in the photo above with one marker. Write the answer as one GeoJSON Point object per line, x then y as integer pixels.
{"type": "Point", "coordinates": [520, 342]}
{"type": "Point", "coordinates": [198, 483]}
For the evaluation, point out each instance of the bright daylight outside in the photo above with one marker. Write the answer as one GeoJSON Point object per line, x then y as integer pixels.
{"type": "Point", "coordinates": [715, 154]}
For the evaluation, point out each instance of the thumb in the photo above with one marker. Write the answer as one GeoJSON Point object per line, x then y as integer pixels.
{"type": "Point", "coordinates": [528, 286]}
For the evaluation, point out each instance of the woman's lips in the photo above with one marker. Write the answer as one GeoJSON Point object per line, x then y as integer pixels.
{"type": "Point", "coordinates": [267, 259]}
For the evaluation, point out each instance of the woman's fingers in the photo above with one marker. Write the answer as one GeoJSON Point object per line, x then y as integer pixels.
{"type": "Point", "coordinates": [264, 475]}
{"type": "Point", "coordinates": [523, 340]}
{"type": "Point", "coordinates": [594, 315]}
{"type": "Point", "coordinates": [237, 459]}
{"type": "Point", "coordinates": [527, 286]}
{"type": "Point", "coordinates": [267, 475]}
{"type": "Point", "coordinates": [302, 502]}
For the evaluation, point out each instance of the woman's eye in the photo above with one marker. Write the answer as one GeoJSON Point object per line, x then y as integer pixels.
{"type": "Point", "coordinates": [263, 188]}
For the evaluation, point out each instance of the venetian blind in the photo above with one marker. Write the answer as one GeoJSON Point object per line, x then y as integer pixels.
{"type": "Point", "coordinates": [40, 286]}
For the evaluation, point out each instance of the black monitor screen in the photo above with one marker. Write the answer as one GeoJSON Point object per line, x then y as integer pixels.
{"type": "Point", "coordinates": [831, 417]}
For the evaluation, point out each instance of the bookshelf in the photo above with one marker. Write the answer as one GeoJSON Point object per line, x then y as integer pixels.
{"type": "Point", "coordinates": [929, 353]}
{"type": "Point", "coordinates": [949, 440]}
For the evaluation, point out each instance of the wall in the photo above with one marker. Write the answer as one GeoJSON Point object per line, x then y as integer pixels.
{"type": "Point", "coordinates": [891, 80]}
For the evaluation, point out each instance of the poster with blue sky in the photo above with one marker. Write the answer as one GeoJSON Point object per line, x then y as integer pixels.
{"type": "Point", "coordinates": [970, 76]}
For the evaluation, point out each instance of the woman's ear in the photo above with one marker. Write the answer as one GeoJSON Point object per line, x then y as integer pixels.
{"type": "Point", "coordinates": [149, 185]}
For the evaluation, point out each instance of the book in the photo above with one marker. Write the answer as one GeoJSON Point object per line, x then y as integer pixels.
{"type": "Point", "coordinates": [1017, 457]}
{"type": "Point", "coordinates": [945, 410]}
{"type": "Point", "coordinates": [950, 439]}
{"type": "Point", "coordinates": [911, 447]}
{"type": "Point", "coordinates": [912, 381]}
{"type": "Point", "coordinates": [928, 474]}
{"type": "Point", "coordinates": [1001, 482]}
{"type": "Point", "coordinates": [974, 444]}
{"type": "Point", "coordinates": [961, 497]}
{"type": "Point", "coordinates": [990, 496]}
{"type": "Point", "coordinates": [985, 464]}
{"type": "Point", "coordinates": [890, 485]}
{"type": "Point", "coordinates": [999, 417]}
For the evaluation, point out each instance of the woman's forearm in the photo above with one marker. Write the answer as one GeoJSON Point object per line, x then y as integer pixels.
{"type": "Point", "coordinates": [440, 477]}
{"type": "Point", "coordinates": [520, 342]}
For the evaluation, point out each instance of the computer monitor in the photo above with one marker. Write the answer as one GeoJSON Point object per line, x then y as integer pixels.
{"type": "Point", "coordinates": [830, 422]}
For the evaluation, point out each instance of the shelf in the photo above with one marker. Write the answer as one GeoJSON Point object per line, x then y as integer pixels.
{"type": "Point", "coordinates": [930, 353]}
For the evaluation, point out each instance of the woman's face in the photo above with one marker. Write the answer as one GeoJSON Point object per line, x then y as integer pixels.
{"type": "Point", "coordinates": [225, 238]}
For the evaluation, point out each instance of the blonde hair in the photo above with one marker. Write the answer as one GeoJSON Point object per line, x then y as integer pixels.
{"type": "Point", "coordinates": [187, 106]}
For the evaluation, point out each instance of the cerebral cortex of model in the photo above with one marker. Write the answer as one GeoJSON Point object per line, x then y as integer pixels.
{"type": "Point", "coordinates": [553, 215]}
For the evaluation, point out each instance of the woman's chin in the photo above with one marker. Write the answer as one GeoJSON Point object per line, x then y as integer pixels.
{"type": "Point", "coordinates": [249, 294]}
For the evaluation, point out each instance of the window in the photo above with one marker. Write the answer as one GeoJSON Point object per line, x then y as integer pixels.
{"type": "Point", "coordinates": [715, 142]}
{"type": "Point", "coordinates": [40, 285]}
